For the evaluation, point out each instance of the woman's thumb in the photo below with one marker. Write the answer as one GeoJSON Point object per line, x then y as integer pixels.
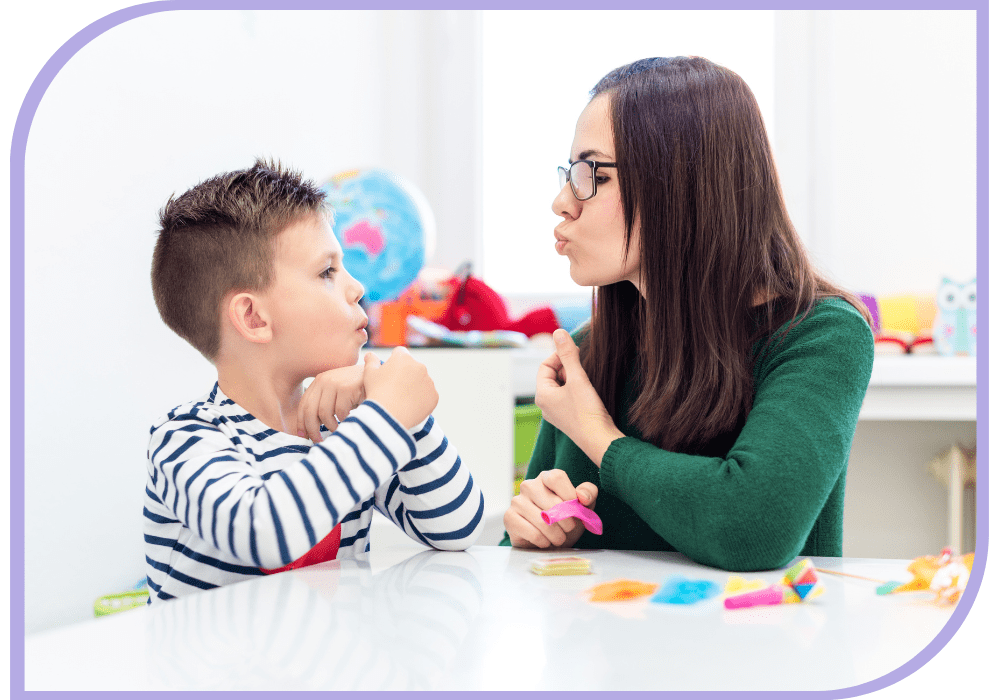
{"type": "Point", "coordinates": [564, 343]}
{"type": "Point", "coordinates": [586, 493]}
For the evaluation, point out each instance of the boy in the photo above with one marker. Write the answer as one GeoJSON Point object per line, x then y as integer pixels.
{"type": "Point", "coordinates": [248, 479]}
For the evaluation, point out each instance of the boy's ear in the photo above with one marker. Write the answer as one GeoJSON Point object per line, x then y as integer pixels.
{"type": "Point", "coordinates": [247, 314]}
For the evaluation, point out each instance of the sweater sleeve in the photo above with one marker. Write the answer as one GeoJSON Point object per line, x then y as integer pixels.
{"type": "Point", "coordinates": [433, 498]}
{"type": "Point", "coordinates": [754, 508]}
{"type": "Point", "coordinates": [204, 481]}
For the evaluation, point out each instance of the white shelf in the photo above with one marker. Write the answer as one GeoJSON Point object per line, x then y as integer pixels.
{"type": "Point", "coordinates": [923, 371]}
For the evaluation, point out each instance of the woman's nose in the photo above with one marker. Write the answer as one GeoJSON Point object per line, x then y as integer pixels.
{"type": "Point", "coordinates": [565, 204]}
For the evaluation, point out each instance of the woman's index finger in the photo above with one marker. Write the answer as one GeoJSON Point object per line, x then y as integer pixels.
{"type": "Point", "coordinates": [557, 482]}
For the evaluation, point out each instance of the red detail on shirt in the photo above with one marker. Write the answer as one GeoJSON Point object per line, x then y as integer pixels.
{"type": "Point", "coordinates": [325, 550]}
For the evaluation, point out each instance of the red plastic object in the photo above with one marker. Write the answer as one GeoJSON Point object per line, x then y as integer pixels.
{"type": "Point", "coordinates": [474, 306]}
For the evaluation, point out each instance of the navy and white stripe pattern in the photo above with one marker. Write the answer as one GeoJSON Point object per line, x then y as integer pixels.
{"type": "Point", "coordinates": [227, 496]}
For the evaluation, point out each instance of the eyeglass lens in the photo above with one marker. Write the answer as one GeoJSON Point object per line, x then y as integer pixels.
{"type": "Point", "coordinates": [581, 179]}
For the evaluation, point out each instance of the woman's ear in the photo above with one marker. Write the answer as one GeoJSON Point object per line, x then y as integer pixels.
{"type": "Point", "coordinates": [247, 315]}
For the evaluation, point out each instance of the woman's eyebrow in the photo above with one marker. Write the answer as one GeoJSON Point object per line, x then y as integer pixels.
{"type": "Point", "coordinates": [585, 155]}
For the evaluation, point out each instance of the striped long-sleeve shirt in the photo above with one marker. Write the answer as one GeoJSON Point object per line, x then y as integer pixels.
{"type": "Point", "coordinates": [226, 496]}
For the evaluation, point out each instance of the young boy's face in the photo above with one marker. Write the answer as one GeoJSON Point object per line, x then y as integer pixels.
{"type": "Point", "coordinates": [317, 322]}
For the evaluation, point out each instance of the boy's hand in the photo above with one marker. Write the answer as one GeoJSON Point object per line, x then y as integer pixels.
{"type": "Point", "coordinates": [332, 395]}
{"type": "Point", "coordinates": [402, 386]}
{"type": "Point", "coordinates": [523, 520]}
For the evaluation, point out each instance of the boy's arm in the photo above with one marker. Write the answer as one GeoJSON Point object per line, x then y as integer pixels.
{"type": "Point", "coordinates": [434, 498]}
{"type": "Point", "coordinates": [210, 486]}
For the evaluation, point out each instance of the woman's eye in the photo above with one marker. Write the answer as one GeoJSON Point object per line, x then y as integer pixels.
{"type": "Point", "coordinates": [601, 179]}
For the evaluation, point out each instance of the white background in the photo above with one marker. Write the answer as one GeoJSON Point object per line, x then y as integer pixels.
{"type": "Point", "coordinates": [31, 36]}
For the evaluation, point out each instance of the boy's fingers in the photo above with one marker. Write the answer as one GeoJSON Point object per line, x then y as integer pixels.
{"type": "Point", "coordinates": [326, 415]}
{"type": "Point", "coordinates": [311, 419]}
{"type": "Point", "coordinates": [344, 405]}
{"type": "Point", "coordinates": [301, 428]}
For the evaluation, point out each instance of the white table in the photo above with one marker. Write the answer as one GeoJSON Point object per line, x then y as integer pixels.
{"type": "Point", "coordinates": [409, 618]}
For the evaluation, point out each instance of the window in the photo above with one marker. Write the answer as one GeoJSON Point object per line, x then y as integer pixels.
{"type": "Point", "coordinates": [538, 69]}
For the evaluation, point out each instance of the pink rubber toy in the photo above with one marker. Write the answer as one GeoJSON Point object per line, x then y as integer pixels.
{"type": "Point", "coordinates": [573, 509]}
{"type": "Point", "coordinates": [772, 595]}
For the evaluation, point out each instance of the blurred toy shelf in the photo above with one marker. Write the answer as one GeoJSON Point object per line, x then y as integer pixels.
{"type": "Point", "coordinates": [902, 387]}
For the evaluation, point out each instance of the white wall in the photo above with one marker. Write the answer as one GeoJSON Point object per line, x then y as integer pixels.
{"type": "Point", "coordinates": [875, 142]}
{"type": "Point", "coordinates": [150, 108]}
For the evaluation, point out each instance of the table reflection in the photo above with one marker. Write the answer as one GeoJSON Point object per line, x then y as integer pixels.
{"type": "Point", "coordinates": [332, 626]}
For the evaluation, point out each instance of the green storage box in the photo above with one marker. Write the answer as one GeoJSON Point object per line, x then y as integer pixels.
{"type": "Point", "coordinates": [527, 421]}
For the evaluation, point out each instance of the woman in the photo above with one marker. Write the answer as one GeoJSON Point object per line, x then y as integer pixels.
{"type": "Point", "coordinates": [712, 401]}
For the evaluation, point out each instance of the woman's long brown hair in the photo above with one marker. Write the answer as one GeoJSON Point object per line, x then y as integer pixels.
{"type": "Point", "coordinates": [700, 189]}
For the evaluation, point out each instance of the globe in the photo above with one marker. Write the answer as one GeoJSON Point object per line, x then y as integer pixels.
{"type": "Point", "coordinates": [385, 226]}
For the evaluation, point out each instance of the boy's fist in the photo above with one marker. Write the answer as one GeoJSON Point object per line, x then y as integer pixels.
{"type": "Point", "coordinates": [402, 386]}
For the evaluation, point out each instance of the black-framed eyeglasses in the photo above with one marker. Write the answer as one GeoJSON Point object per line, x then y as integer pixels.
{"type": "Point", "coordinates": [582, 177]}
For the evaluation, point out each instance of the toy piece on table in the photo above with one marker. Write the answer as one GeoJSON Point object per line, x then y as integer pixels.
{"type": "Point", "coordinates": [574, 509]}
{"type": "Point", "coordinates": [620, 589]}
{"type": "Point", "coordinates": [561, 566]}
{"type": "Point", "coordinates": [771, 595]}
{"type": "Point", "coordinates": [884, 587]}
{"type": "Point", "coordinates": [803, 580]}
{"type": "Point", "coordinates": [737, 584]}
{"type": "Point", "coordinates": [799, 584]}
{"type": "Point", "coordinates": [946, 575]}
{"type": "Point", "coordinates": [888, 587]}
{"type": "Point", "coordinates": [678, 590]}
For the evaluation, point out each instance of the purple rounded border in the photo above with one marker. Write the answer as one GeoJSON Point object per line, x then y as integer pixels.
{"type": "Point", "coordinates": [17, 275]}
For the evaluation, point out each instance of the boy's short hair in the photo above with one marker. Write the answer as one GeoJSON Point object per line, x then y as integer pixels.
{"type": "Point", "coordinates": [218, 237]}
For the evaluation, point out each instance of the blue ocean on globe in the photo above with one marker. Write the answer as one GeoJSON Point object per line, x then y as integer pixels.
{"type": "Point", "coordinates": [383, 224]}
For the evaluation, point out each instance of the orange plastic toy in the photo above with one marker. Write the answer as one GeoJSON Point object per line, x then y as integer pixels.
{"type": "Point", "coordinates": [620, 589]}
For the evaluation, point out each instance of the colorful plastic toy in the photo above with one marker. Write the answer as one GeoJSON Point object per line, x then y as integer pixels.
{"type": "Point", "coordinates": [678, 590]}
{"type": "Point", "coordinates": [620, 589]}
{"type": "Point", "coordinates": [574, 509]}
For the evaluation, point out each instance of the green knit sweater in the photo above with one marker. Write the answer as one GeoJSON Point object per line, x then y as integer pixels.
{"type": "Point", "coordinates": [757, 497]}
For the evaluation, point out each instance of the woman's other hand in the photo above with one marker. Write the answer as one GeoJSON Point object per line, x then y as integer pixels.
{"type": "Point", "coordinates": [523, 520]}
{"type": "Point", "coordinates": [570, 403]}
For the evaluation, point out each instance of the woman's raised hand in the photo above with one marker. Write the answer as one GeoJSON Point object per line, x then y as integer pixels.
{"type": "Point", "coordinates": [523, 520]}
{"type": "Point", "coordinates": [569, 401]}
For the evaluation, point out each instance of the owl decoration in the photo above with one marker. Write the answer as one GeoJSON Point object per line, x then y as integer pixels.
{"type": "Point", "coordinates": [955, 323]}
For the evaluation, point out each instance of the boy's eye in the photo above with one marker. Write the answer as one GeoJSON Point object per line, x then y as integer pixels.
{"type": "Point", "coordinates": [328, 272]}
